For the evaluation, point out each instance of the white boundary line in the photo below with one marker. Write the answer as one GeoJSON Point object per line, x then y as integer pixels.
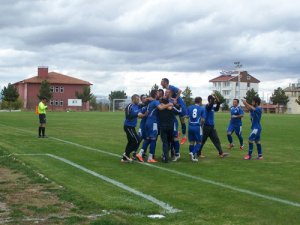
{"type": "Point", "coordinates": [219, 184]}
{"type": "Point", "coordinates": [165, 206]}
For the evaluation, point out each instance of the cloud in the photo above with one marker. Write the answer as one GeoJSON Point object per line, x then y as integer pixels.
{"type": "Point", "coordinates": [128, 43]}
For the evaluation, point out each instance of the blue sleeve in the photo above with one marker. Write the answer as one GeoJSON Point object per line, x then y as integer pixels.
{"type": "Point", "coordinates": [203, 113]}
{"type": "Point", "coordinates": [241, 111]}
{"type": "Point", "coordinates": [174, 89]}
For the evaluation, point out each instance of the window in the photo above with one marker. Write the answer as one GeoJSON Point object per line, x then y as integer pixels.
{"type": "Point", "coordinates": [51, 102]}
{"type": "Point", "coordinates": [248, 85]}
{"type": "Point", "coordinates": [56, 103]}
{"type": "Point", "coordinates": [56, 89]}
{"type": "Point", "coordinates": [226, 84]}
{"type": "Point", "coordinates": [248, 77]}
{"type": "Point", "coordinates": [51, 89]}
{"type": "Point", "coordinates": [61, 103]}
{"type": "Point", "coordinates": [61, 89]}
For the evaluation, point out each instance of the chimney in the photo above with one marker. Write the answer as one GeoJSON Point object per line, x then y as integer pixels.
{"type": "Point", "coordinates": [43, 72]}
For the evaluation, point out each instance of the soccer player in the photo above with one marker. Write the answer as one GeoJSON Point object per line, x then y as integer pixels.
{"type": "Point", "coordinates": [142, 129]}
{"type": "Point", "coordinates": [166, 118]}
{"type": "Point", "coordinates": [175, 145]}
{"type": "Point", "coordinates": [235, 124]}
{"type": "Point", "coordinates": [177, 99]}
{"type": "Point", "coordinates": [42, 117]}
{"type": "Point", "coordinates": [255, 113]}
{"type": "Point", "coordinates": [209, 129]}
{"type": "Point", "coordinates": [151, 127]}
{"type": "Point", "coordinates": [196, 120]}
{"type": "Point", "coordinates": [132, 112]}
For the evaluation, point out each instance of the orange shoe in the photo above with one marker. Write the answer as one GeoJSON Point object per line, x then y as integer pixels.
{"type": "Point", "coordinates": [183, 140]}
{"type": "Point", "coordinates": [247, 157]}
{"type": "Point", "coordinates": [242, 147]}
{"type": "Point", "coordinates": [152, 161]}
{"type": "Point", "coordinates": [140, 157]}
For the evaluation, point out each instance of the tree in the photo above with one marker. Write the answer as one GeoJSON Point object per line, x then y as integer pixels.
{"type": "Point", "coordinates": [45, 91]}
{"type": "Point", "coordinates": [187, 96]}
{"type": "Point", "coordinates": [10, 94]}
{"type": "Point", "coordinates": [298, 100]}
{"type": "Point", "coordinates": [279, 97]}
{"type": "Point", "coordinates": [86, 94]}
{"type": "Point", "coordinates": [250, 94]}
{"type": "Point", "coordinates": [220, 97]}
{"type": "Point", "coordinates": [116, 95]}
{"type": "Point", "coordinates": [154, 87]}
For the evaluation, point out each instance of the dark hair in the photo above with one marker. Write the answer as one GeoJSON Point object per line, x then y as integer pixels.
{"type": "Point", "coordinates": [44, 98]}
{"type": "Point", "coordinates": [210, 98]}
{"type": "Point", "coordinates": [198, 100]}
{"type": "Point", "coordinates": [256, 99]}
{"type": "Point", "coordinates": [164, 101]}
{"type": "Point", "coordinates": [141, 97]}
{"type": "Point", "coordinates": [153, 93]}
{"type": "Point", "coordinates": [238, 101]}
{"type": "Point", "coordinates": [133, 96]}
{"type": "Point", "coordinates": [165, 80]}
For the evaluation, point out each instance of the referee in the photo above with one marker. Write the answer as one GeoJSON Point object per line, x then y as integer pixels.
{"type": "Point", "coordinates": [42, 117]}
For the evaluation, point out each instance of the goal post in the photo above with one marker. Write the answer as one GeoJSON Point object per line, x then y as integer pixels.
{"type": "Point", "coordinates": [122, 104]}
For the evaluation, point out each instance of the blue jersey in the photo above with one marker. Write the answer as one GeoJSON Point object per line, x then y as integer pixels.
{"type": "Point", "coordinates": [196, 113]}
{"type": "Point", "coordinates": [131, 114]}
{"type": "Point", "coordinates": [256, 117]}
{"type": "Point", "coordinates": [152, 111]}
{"type": "Point", "coordinates": [210, 114]}
{"type": "Point", "coordinates": [236, 111]}
{"type": "Point", "coordinates": [179, 100]}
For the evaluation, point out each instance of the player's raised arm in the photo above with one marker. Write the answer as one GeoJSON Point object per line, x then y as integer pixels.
{"type": "Point", "coordinates": [247, 105]}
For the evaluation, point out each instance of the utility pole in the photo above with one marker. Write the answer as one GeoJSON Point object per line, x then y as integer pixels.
{"type": "Point", "coordinates": [238, 66]}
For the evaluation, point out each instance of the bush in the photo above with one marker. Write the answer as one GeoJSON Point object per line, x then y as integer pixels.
{"type": "Point", "coordinates": [18, 104]}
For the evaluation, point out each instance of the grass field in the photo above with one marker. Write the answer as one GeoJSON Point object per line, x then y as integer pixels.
{"type": "Point", "coordinates": [85, 148]}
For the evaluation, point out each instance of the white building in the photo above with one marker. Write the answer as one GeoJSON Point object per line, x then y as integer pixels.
{"type": "Point", "coordinates": [293, 92]}
{"type": "Point", "coordinates": [228, 85]}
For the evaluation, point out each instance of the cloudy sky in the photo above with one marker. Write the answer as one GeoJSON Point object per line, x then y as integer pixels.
{"type": "Point", "coordinates": [130, 45]}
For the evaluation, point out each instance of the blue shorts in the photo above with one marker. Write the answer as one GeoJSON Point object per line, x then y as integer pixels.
{"type": "Point", "coordinates": [195, 133]}
{"type": "Point", "coordinates": [142, 131]}
{"type": "Point", "coordinates": [237, 129]}
{"type": "Point", "coordinates": [175, 129]}
{"type": "Point", "coordinates": [255, 135]}
{"type": "Point", "coordinates": [151, 130]}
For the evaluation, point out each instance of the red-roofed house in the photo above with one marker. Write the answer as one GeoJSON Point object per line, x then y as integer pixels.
{"type": "Point", "coordinates": [227, 85]}
{"type": "Point", "coordinates": [63, 88]}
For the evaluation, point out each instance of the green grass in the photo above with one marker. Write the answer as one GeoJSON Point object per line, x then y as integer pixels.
{"type": "Point", "coordinates": [201, 203]}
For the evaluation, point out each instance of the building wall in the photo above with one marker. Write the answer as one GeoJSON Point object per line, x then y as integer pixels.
{"type": "Point", "coordinates": [230, 89]}
{"type": "Point", "coordinates": [292, 105]}
{"type": "Point", "coordinates": [28, 94]}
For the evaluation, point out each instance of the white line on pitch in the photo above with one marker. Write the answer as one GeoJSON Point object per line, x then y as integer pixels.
{"type": "Point", "coordinates": [223, 185]}
{"type": "Point", "coordinates": [167, 207]}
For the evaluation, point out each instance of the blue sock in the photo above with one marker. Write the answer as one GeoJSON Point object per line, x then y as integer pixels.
{"type": "Point", "coordinates": [152, 146]}
{"type": "Point", "coordinates": [191, 148]}
{"type": "Point", "coordinates": [229, 137]}
{"type": "Point", "coordinates": [176, 147]}
{"type": "Point", "coordinates": [250, 148]}
{"type": "Point", "coordinates": [145, 145]}
{"type": "Point", "coordinates": [259, 149]}
{"type": "Point", "coordinates": [183, 129]}
{"type": "Point", "coordinates": [241, 140]}
{"type": "Point", "coordinates": [196, 148]}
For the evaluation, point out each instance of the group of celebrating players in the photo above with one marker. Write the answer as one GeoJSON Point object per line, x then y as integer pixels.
{"type": "Point", "coordinates": [158, 113]}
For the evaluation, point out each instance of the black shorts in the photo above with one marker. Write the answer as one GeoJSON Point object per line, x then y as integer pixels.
{"type": "Point", "coordinates": [42, 118]}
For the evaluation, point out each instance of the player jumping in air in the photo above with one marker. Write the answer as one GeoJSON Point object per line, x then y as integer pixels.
{"type": "Point", "coordinates": [177, 99]}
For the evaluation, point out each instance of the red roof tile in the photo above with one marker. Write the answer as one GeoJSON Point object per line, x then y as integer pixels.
{"type": "Point", "coordinates": [56, 78]}
{"type": "Point", "coordinates": [244, 77]}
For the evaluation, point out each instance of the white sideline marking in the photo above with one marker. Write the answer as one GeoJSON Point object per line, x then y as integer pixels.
{"type": "Point", "coordinates": [167, 207]}
{"type": "Point", "coordinates": [223, 185]}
